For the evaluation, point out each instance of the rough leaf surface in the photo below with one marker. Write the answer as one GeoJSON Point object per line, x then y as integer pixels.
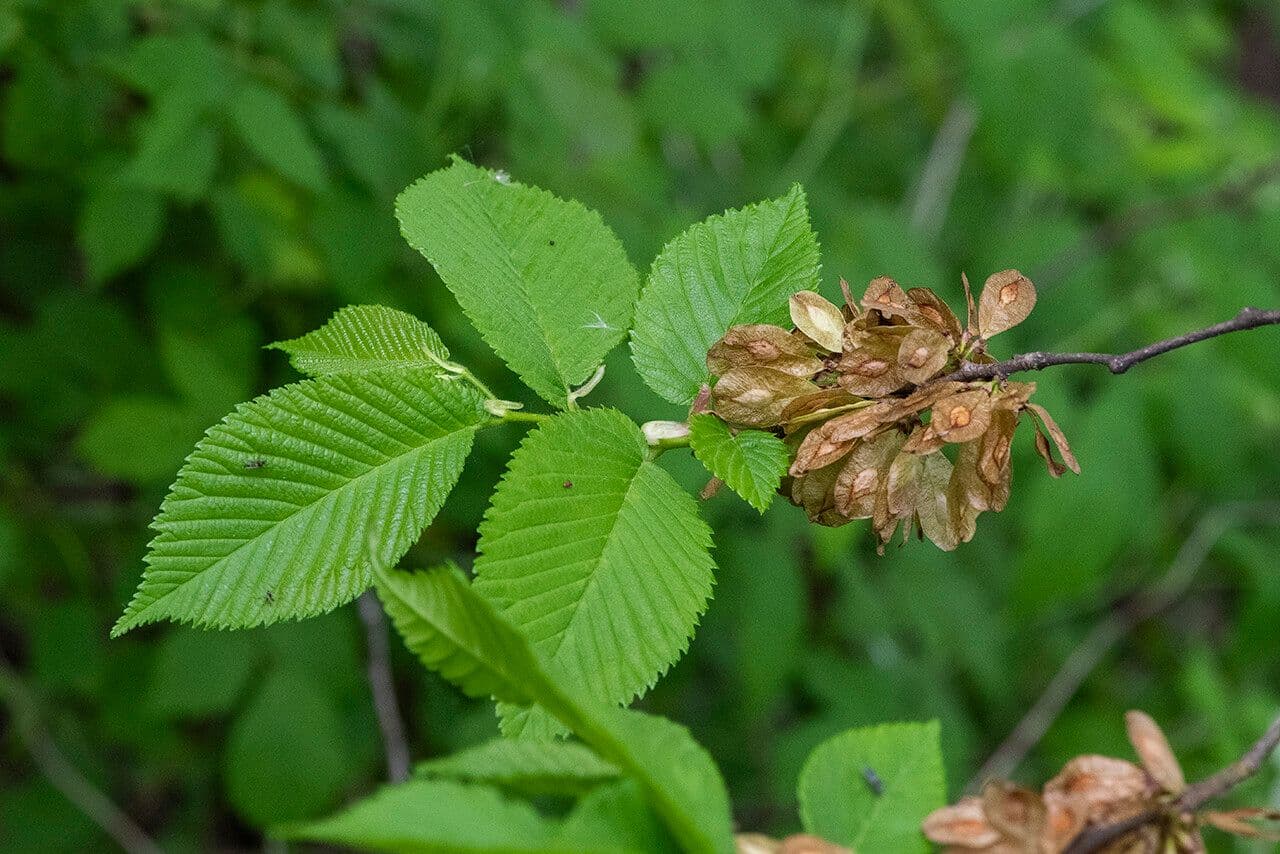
{"type": "Point", "coordinates": [735, 268]}
{"type": "Point", "coordinates": [597, 554]}
{"type": "Point", "coordinates": [285, 507]}
{"type": "Point", "coordinates": [751, 463]}
{"type": "Point", "coordinates": [534, 767]}
{"type": "Point", "coordinates": [545, 281]}
{"type": "Point", "coordinates": [361, 338]}
{"type": "Point", "coordinates": [838, 801]}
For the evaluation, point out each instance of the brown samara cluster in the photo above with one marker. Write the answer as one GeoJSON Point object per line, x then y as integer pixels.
{"type": "Point", "coordinates": [862, 396]}
{"type": "Point", "coordinates": [1089, 794]}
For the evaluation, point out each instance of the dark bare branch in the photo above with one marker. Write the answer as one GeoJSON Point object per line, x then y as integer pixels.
{"type": "Point", "coordinates": [385, 705]}
{"type": "Point", "coordinates": [1117, 363]}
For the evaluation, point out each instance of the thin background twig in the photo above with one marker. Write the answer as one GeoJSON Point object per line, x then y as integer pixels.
{"type": "Point", "coordinates": [59, 771]}
{"type": "Point", "coordinates": [385, 705]}
{"type": "Point", "coordinates": [1089, 653]}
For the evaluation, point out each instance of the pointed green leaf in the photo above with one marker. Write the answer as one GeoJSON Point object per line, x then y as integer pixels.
{"type": "Point", "coordinates": [751, 463]}
{"type": "Point", "coordinates": [284, 507]}
{"type": "Point", "coordinates": [435, 816]}
{"type": "Point", "coordinates": [362, 338]}
{"type": "Point", "coordinates": [456, 632]}
{"type": "Point", "coordinates": [544, 280]}
{"type": "Point", "coordinates": [525, 765]}
{"type": "Point", "coordinates": [837, 798]}
{"type": "Point", "coordinates": [596, 554]}
{"type": "Point", "coordinates": [616, 817]}
{"type": "Point", "coordinates": [734, 268]}
{"type": "Point", "coordinates": [272, 128]}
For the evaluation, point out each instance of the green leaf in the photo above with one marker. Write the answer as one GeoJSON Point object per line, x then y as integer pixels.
{"type": "Point", "coordinates": [458, 633]}
{"type": "Point", "coordinates": [109, 439]}
{"type": "Point", "coordinates": [118, 226]}
{"type": "Point", "coordinates": [362, 338]}
{"type": "Point", "coordinates": [734, 268]}
{"type": "Point", "coordinates": [286, 755]}
{"type": "Point", "coordinates": [616, 817]}
{"type": "Point", "coordinates": [270, 126]}
{"type": "Point", "coordinates": [525, 765]}
{"type": "Point", "coordinates": [838, 803]}
{"type": "Point", "coordinates": [433, 816]}
{"type": "Point", "coordinates": [544, 280]}
{"type": "Point", "coordinates": [177, 149]}
{"type": "Point", "coordinates": [286, 505]}
{"type": "Point", "coordinates": [752, 463]}
{"type": "Point", "coordinates": [597, 554]}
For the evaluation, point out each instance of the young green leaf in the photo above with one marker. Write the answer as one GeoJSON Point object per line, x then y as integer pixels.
{"type": "Point", "coordinates": [273, 129]}
{"type": "Point", "coordinates": [544, 280]}
{"type": "Point", "coordinates": [735, 268]}
{"type": "Point", "coordinates": [286, 505]}
{"type": "Point", "coordinates": [597, 554]}
{"type": "Point", "coordinates": [870, 788]}
{"type": "Point", "coordinates": [458, 633]}
{"type": "Point", "coordinates": [752, 463]}
{"type": "Point", "coordinates": [617, 816]}
{"type": "Point", "coordinates": [524, 765]}
{"type": "Point", "coordinates": [362, 338]}
{"type": "Point", "coordinates": [433, 816]}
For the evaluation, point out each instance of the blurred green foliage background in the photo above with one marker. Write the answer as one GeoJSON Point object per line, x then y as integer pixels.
{"type": "Point", "coordinates": [183, 182]}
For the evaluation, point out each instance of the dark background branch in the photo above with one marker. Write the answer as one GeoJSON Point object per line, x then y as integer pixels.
{"type": "Point", "coordinates": [1248, 318]}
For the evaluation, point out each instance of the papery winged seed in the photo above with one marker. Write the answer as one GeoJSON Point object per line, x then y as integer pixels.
{"type": "Point", "coordinates": [963, 824]}
{"type": "Point", "coordinates": [1059, 438]}
{"type": "Point", "coordinates": [863, 475]}
{"type": "Point", "coordinates": [935, 312]}
{"type": "Point", "coordinates": [886, 296]}
{"type": "Point", "coordinates": [813, 492]}
{"type": "Point", "coordinates": [860, 422]}
{"type": "Point", "coordinates": [755, 397]}
{"type": "Point", "coordinates": [932, 509]}
{"type": "Point", "coordinates": [966, 493]}
{"type": "Point", "coordinates": [1153, 749]}
{"type": "Point", "coordinates": [923, 440]}
{"type": "Point", "coordinates": [962, 417]}
{"type": "Point", "coordinates": [829, 398]}
{"type": "Point", "coordinates": [1016, 813]}
{"type": "Point", "coordinates": [1055, 468]}
{"type": "Point", "coordinates": [869, 366]}
{"type": "Point", "coordinates": [1093, 789]}
{"type": "Point", "coordinates": [762, 345]}
{"type": "Point", "coordinates": [1007, 298]}
{"type": "Point", "coordinates": [922, 354]}
{"type": "Point", "coordinates": [902, 486]}
{"type": "Point", "coordinates": [818, 450]}
{"type": "Point", "coordinates": [819, 319]}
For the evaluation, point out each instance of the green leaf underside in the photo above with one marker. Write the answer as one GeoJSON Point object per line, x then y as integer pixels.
{"type": "Point", "coordinates": [544, 280]}
{"type": "Point", "coordinates": [362, 338]}
{"type": "Point", "coordinates": [751, 463]}
{"type": "Point", "coordinates": [433, 816]}
{"type": "Point", "coordinates": [286, 505]}
{"type": "Point", "coordinates": [459, 633]}
{"type": "Point", "coordinates": [734, 268]}
{"type": "Point", "coordinates": [838, 804]}
{"type": "Point", "coordinates": [597, 555]}
{"type": "Point", "coordinates": [533, 767]}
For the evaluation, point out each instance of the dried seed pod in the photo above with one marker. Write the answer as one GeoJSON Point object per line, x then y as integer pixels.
{"type": "Point", "coordinates": [922, 354]}
{"type": "Point", "coordinates": [1016, 813]}
{"type": "Point", "coordinates": [860, 422]}
{"type": "Point", "coordinates": [869, 366]}
{"type": "Point", "coordinates": [864, 474]}
{"type": "Point", "coordinates": [934, 311]}
{"type": "Point", "coordinates": [1153, 749]}
{"type": "Point", "coordinates": [1055, 468]}
{"type": "Point", "coordinates": [755, 397]}
{"type": "Point", "coordinates": [961, 490]}
{"type": "Point", "coordinates": [813, 492]}
{"type": "Point", "coordinates": [1059, 438]}
{"type": "Point", "coordinates": [887, 297]}
{"type": "Point", "coordinates": [818, 450]}
{"type": "Point", "coordinates": [814, 404]}
{"type": "Point", "coordinates": [923, 440]}
{"type": "Point", "coordinates": [1007, 298]}
{"type": "Point", "coordinates": [764, 346]}
{"type": "Point", "coordinates": [995, 461]}
{"type": "Point", "coordinates": [962, 417]}
{"type": "Point", "coordinates": [924, 397]}
{"type": "Point", "coordinates": [932, 510]}
{"type": "Point", "coordinates": [962, 825]}
{"type": "Point", "coordinates": [819, 319]}
{"type": "Point", "coordinates": [1012, 395]}
{"type": "Point", "coordinates": [1092, 790]}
